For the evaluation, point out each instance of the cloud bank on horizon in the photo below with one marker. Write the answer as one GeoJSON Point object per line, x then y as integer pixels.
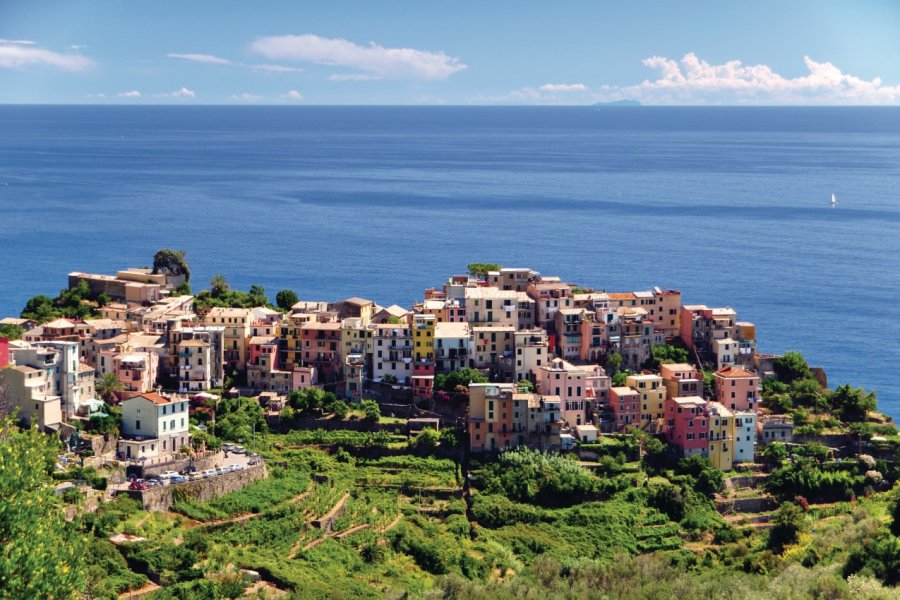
{"type": "Point", "coordinates": [374, 60]}
{"type": "Point", "coordinates": [15, 54]}
{"type": "Point", "coordinates": [695, 81]}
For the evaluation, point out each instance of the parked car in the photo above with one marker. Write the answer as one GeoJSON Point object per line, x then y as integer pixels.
{"type": "Point", "coordinates": [236, 467]}
{"type": "Point", "coordinates": [178, 479]}
{"type": "Point", "coordinates": [238, 450]}
{"type": "Point", "coordinates": [253, 461]}
{"type": "Point", "coordinates": [153, 476]}
{"type": "Point", "coordinates": [138, 484]}
{"type": "Point", "coordinates": [195, 475]}
{"type": "Point", "coordinates": [155, 482]}
{"type": "Point", "coordinates": [222, 470]}
{"type": "Point", "coordinates": [188, 470]}
{"type": "Point", "coordinates": [168, 474]}
{"type": "Point", "coordinates": [209, 473]}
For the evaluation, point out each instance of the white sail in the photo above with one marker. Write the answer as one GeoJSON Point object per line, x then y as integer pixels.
{"type": "Point", "coordinates": [833, 200]}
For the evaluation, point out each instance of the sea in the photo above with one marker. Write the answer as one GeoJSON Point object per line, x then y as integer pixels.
{"type": "Point", "coordinates": [729, 205]}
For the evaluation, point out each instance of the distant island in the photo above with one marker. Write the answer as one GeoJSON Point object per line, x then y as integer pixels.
{"type": "Point", "coordinates": [619, 103]}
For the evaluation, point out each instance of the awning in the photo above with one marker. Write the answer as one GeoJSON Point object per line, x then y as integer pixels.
{"type": "Point", "coordinates": [93, 404]}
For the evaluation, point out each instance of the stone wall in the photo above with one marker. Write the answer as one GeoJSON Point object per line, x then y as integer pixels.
{"type": "Point", "coordinates": [202, 490]}
{"type": "Point", "coordinates": [746, 505]}
{"type": "Point", "coordinates": [207, 461]}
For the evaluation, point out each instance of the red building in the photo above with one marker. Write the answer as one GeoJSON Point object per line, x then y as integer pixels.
{"type": "Point", "coordinates": [626, 405]}
{"type": "Point", "coordinates": [687, 424]}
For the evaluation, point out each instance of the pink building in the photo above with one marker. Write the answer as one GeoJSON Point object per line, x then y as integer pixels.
{"type": "Point", "coordinates": [321, 349]}
{"type": "Point", "coordinates": [4, 352]}
{"type": "Point", "coordinates": [626, 405]}
{"type": "Point", "coordinates": [687, 424]}
{"type": "Point", "coordinates": [681, 380]}
{"type": "Point", "coordinates": [423, 380]}
{"type": "Point", "coordinates": [567, 381]}
{"type": "Point", "coordinates": [264, 345]}
{"type": "Point", "coordinates": [737, 389]}
{"type": "Point", "coordinates": [137, 371]}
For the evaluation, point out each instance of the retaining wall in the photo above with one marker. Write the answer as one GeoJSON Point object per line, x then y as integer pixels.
{"type": "Point", "coordinates": [202, 490]}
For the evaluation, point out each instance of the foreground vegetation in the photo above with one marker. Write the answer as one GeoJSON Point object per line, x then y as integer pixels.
{"type": "Point", "coordinates": [533, 526]}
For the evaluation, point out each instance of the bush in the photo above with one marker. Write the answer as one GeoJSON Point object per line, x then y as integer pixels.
{"type": "Point", "coordinates": [492, 510]}
{"type": "Point", "coordinates": [525, 475]}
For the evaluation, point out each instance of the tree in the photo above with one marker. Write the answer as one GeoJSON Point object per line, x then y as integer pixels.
{"type": "Point", "coordinates": [806, 392]}
{"type": "Point", "coordinates": [171, 262]}
{"type": "Point", "coordinates": [709, 384]}
{"type": "Point", "coordinates": [787, 522]}
{"type": "Point", "coordinates": [853, 404]}
{"type": "Point", "coordinates": [103, 299]}
{"type": "Point", "coordinates": [481, 269]}
{"type": "Point", "coordinates": [450, 438]}
{"type": "Point", "coordinates": [218, 286]}
{"type": "Point", "coordinates": [339, 408]}
{"type": "Point", "coordinates": [257, 296]}
{"type": "Point", "coordinates": [614, 363]}
{"type": "Point", "coordinates": [790, 367]}
{"type": "Point", "coordinates": [426, 440]}
{"type": "Point", "coordinates": [451, 381]}
{"type": "Point", "coordinates": [619, 378]}
{"type": "Point", "coordinates": [41, 557]}
{"type": "Point", "coordinates": [667, 354]}
{"type": "Point", "coordinates": [525, 386]}
{"type": "Point", "coordinates": [708, 478]}
{"type": "Point", "coordinates": [40, 308]}
{"type": "Point", "coordinates": [107, 385]}
{"type": "Point", "coordinates": [11, 332]}
{"type": "Point", "coordinates": [895, 513]}
{"type": "Point", "coordinates": [371, 410]}
{"type": "Point", "coordinates": [285, 299]}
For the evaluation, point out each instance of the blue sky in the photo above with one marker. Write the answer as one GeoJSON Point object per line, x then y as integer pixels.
{"type": "Point", "coordinates": [280, 52]}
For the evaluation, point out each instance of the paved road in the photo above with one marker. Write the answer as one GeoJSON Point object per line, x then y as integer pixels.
{"type": "Point", "coordinates": [220, 461]}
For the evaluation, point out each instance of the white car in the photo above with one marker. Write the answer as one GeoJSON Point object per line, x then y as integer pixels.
{"type": "Point", "coordinates": [209, 473]}
{"type": "Point", "coordinates": [168, 474]}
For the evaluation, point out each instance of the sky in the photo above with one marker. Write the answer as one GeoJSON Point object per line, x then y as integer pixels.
{"type": "Point", "coordinates": [762, 52]}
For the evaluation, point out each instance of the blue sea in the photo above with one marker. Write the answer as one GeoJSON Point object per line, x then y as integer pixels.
{"type": "Point", "coordinates": [729, 205]}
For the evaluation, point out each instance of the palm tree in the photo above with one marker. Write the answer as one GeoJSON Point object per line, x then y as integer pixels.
{"type": "Point", "coordinates": [107, 385]}
{"type": "Point", "coordinates": [218, 285]}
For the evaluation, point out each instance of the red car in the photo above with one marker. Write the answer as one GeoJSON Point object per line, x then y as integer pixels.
{"type": "Point", "coordinates": [138, 484]}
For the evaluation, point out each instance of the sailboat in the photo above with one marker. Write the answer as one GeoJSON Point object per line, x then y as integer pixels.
{"type": "Point", "coordinates": [833, 200]}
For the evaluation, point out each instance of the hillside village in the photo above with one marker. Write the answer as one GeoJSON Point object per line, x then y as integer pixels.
{"type": "Point", "coordinates": [505, 424]}
{"type": "Point", "coordinates": [542, 363]}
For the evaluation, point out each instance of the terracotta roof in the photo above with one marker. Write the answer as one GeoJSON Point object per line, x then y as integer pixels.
{"type": "Point", "coordinates": [734, 372]}
{"type": "Point", "coordinates": [262, 339]}
{"type": "Point", "coordinates": [155, 398]}
{"type": "Point", "coordinates": [621, 295]}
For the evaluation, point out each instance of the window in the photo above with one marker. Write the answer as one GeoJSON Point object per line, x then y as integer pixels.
{"type": "Point", "coordinates": [137, 425]}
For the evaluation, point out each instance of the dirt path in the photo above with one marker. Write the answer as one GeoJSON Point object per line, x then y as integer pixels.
{"type": "Point", "coordinates": [148, 588]}
{"type": "Point", "coordinates": [352, 530]}
{"type": "Point", "coordinates": [393, 523]}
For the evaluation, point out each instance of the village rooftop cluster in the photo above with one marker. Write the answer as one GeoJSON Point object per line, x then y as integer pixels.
{"type": "Point", "coordinates": [540, 344]}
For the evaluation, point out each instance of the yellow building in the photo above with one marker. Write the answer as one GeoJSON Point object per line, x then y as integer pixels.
{"type": "Point", "coordinates": [423, 337]}
{"type": "Point", "coordinates": [236, 322]}
{"type": "Point", "coordinates": [653, 397]}
{"type": "Point", "coordinates": [721, 436]}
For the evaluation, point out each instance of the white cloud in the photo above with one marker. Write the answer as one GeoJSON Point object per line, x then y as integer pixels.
{"type": "Point", "coordinates": [276, 68]}
{"type": "Point", "coordinates": [563, 87]}
{"type": "Point", "coordinates": [181, 93]}
{"type": "Point", "coordinates": [695, 81]}
{"type": "Point", "coordinates": [692, 80]}
{"type": "Point", "coordinates": [15, 54]}
{"type": "Point", "coordinates": [395, 63]}
{"type": "Point", "coordinates": [208, 59]}
{"type": "Point", "coordinates": [131, 94]}
{"type": "Point", "coordinates": [77, 47]}
{"type": "Point", "coordinates": [292, 95]}
{"type": "Point", "coordinates": [352, 77]}
{"type": "Point", "coordinates": [247, 97]}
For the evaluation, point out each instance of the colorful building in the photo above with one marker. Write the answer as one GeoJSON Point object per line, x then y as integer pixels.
{"type": "Point", "coordinates": [653, 397]}
{"type": "Point", "coordinates": [687, 425]}
{"type": "Point", "coordinates": [681, 380]}
{"type": "Point", "coordinates": [565, 380]}
{"type": "Point", "coordinates": [737, 388]}
{"type": "Point", "coordinates": [721, 436]}
{"type": "Point", "coordinates": [626, 406]}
